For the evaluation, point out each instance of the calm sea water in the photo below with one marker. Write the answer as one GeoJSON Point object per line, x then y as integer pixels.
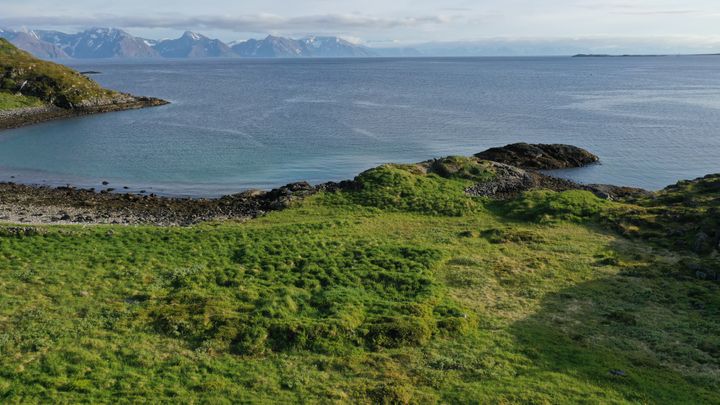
{"type": "Point", "coordinates": [238, 124]}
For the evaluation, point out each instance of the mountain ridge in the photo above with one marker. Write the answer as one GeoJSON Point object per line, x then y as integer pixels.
{"type": "Point", "coordinates": [107, 43]}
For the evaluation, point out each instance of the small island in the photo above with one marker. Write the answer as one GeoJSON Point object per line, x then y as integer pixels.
{"type": "Point", "coordinates": [33, 91]}
{"type": "Point", "coordinates": [591, 55]}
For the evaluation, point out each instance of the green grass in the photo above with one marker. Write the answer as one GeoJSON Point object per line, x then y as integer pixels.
{"type": "Point", "coordinates": [11, 101]}
{"type": "Point", "coordinates": [50, 82]}
{"type": "Point", "coordinates": [404, 291]}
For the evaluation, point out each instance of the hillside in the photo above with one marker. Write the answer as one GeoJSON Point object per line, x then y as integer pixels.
{"type": "Point", "coordinates": [28, 81]}
{"type": "Point", "coordinates": [398, 287]}
{"type": "Point", "coordinates": [52, 83]}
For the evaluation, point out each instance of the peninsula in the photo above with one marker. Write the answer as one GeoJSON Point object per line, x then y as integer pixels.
{"type": "Point", "coordinates": [33, 91]}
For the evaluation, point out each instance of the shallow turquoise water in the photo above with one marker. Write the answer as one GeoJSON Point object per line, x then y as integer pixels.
{"type": "Point", "coordinates": [237, 124]}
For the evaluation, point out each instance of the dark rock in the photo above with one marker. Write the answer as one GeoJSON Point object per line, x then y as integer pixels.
{"type": "Point", "coordinates": [20, 231]}
{"type": "Point", "coordinates": [702, 243]}
{"type": "Point", "coordinates": [508, 181]}
{"type": "Point", "coordinates": [610, 192]}
{"type": "Point", "coordinates": [540, 156]}
{"type": "Point", "coordinates": [618, 373]}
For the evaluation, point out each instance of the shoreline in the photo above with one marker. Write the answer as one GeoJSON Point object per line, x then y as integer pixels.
{"type": "Point", "coordinates": [21, 117]}
{"type": "Point", "coordinates": [43, 205]}
{"type": "Point", "coordinates": [39, 205]}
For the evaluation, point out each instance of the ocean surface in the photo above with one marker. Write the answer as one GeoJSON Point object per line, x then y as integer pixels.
{"type": "Point", "coordinates": [239, 124]}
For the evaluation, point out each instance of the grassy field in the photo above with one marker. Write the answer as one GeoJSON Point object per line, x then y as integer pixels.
{"type": "Point", "coordinates": [10, 101]}
{"type": "Point", "coordinates": [405, 291]}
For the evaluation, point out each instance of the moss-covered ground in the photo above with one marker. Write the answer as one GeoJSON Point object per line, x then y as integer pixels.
{"type": "Point", "coordinates": [404, 291]}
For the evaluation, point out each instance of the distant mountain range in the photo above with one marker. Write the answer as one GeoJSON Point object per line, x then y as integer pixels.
{"type": "Point", "coordinates": [100, 43]}
{"type": "Point", "coordinates": [97, 43]}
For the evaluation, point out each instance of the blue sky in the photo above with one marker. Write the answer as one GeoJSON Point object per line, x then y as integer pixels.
{"type": "Point", "coordinates": [382, 21]}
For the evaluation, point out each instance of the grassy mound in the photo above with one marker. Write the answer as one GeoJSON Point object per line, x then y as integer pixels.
{"type": "Point", "coordinates": [685, 216]}
{"type": "Point", "coordinates": [545, 205]}
{"type": "Point", "coordinates": [435, 188]}
{"type": "Point", "coordinates": [52, 83]}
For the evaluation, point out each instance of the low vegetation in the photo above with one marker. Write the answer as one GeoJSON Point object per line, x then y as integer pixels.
{"type": "Point", "coordinates": [403, 290]}
{"type": "Point", "coordinates": [10, 101]}
{"type": "Point", "coordinates": [22, 73]}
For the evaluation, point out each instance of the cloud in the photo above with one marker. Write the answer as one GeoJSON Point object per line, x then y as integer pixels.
{"type": "Point", "coordinates": [246, 23]}
{"type": "Point", "coordinates": [642, 10]}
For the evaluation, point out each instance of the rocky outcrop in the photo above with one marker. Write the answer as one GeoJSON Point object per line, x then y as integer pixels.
{"type": "Point", "coordinates": [511, 181]}
{"type": "Point", "coordinates": [540, 156]}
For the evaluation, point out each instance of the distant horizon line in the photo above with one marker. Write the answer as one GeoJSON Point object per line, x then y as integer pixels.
{"type": "Point", "coordinates": [391, 43]}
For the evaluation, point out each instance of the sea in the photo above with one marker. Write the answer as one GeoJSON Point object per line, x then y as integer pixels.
{"type": "Point", "coordinates": [238, 124]}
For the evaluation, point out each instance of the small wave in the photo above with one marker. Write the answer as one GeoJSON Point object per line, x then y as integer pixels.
{"type": "Point", "coordinates": [309, 100]}
{"type": "Point", "coordinates": [379, 105]}
{"type": "Point", "coordinates": [365, 132]}
{"type": "Point", "coordinates": [245, 135]}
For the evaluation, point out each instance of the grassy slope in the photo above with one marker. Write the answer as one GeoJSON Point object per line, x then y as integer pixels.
{"type": "Point", "coordinates": [50, 82]}
{"type": "Point", "coordinates": [435, 298]}
{"type": "Point", "coordinates": [11, 101]}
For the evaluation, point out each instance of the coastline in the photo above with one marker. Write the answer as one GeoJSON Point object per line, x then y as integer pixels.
{"type": "Point", "coordinates": [20, 117]}
{"type": "Point", "coordinates": [39, 205]}
{"type": "Point", "coordinates": [515, 170]}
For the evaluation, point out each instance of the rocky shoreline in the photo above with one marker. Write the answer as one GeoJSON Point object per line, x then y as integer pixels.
{"type": "Point", "coordinates": [25, 204]}
{"type": "Point", "coordinates": [35, 205]}
{"type": "Point", "coordinates": [20, 117]}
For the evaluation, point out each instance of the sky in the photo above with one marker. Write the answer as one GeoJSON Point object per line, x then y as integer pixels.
{"type": "Point", "coordinates": [384, 22]}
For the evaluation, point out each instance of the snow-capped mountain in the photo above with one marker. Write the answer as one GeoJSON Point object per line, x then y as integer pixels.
{"type": "Point", "coordinates": [31, 42]}
{"type": "Point", "coordinates": [279, 47]}
{"type": "Point", "coordinates": [97, 43]}
{"type": "Point", "coordinates": [193, 45]}
{"type": "Point", "coordinates": [334, 47]}
{"type": "Point", "coordinates": [270, 47]}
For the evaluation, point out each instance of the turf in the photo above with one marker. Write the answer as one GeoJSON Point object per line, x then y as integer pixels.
{"type": "Point", "coordinates": [403, 291]}
{"type": "Point", "coordinates": [10, 101]}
